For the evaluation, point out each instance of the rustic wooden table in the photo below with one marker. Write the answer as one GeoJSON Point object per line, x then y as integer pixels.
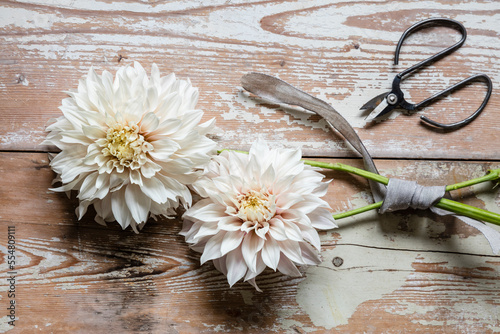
{"type": "Point", "coordinates": [393, 273]}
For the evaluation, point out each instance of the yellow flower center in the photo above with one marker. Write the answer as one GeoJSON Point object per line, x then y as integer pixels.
{"type": "Point", "coordinates": [256, 206]}
{"type": "Point", "coordinates": [127, 145]}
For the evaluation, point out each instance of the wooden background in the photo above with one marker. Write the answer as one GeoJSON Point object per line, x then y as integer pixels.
{"type": "Point", "coordinates": [396, 273]}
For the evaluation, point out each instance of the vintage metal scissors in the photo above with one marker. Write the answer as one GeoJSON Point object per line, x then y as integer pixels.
{"type": "Point", "coordinates": [386, 102]}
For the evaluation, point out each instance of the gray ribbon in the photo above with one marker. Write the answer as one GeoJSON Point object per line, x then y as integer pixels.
{"type": "Point", "coordinates": [403, 194]}
{"type": "Point", "coordinates": [399, 194]}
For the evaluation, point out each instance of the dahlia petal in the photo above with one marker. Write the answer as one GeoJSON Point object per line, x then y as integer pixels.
{"type": "Point", "coordinates": [260, 268]}
{"type": "Point", "coordinates": [322, 189]}
{"type": "Point", "coordinates": [105, 210]}
{"type": "Point", "coordinates": [149, 122]}
{"type": "Point", "coordinates": [88, 187]}
{"type": "Point", "coordinates": [282, 184]}
{"type": "Point", "coordinates": [92, 155]}
{"type": "Point", "coordinates": [99, 220]}
{"type": "Point", "coordinates": [231, 241]}
{"type": "Point", "coordinates": [170, 107]}
{"type": "Point", "coordinates": [236, 267]}
{"type": "Point", "coordinates": [309, 254]}
{"type": "Point", "coordinates": [206, 127]}
{"type": "Point", "coordinates": [229, 223]}
{"type": "Point", "coordinates": [135, 177]}
{"type": "Point", "coordinates": [155, 75]}
{"type": "Point", "coordinates": [67, 186]}
{"type": "Point", "coordinates": [252, 282]}
{"type": "Point", "coordinates": [250, 246]}
{"type": "Point", "coordinates": [277, 229]}
{"type": "Point", "coordinates": [152, 98]}
{"type": "Point", "coordinates": [311, 235]}
{"type": "Point", "coordinates": [292, 231]}
{"type": "Point", "coordinates": [189, 121]}
{"type": "Point", "coordinates": [136, 227]}
{"type": "Point", "coordinates": [165, 128]}
{"type": "Point", "coordinates": [287, 267]}
{"type": "Point", "coordinates": [82, 102]}
{"type": "Point", "coordinates": [262, 232]}
{"type": "Point", "coordinates": [212, 248]}
{"type": "Point", "coordinates": [178, 168]}
{"type": "Point", "coordinates": [291, 249]}
{"type": "Point", "coordinates": [137, 204]}
{"type": "Point", "coordinates": [271, 254]}
{"type": "Point", "coordinates": [258, 150]}
{"type": "Point", "coordinates": [72, 171]}
{"type": "Point", "coordinates": [187, 225]}
{"type": "Point", "coordinates": [268, 176]}
{"type": "Point", "coordinates": [82, 209]}
{"type": "Point", "coordinates": [75, 137]}
{"type": "Point", "coordinates": [189, 230]}
{"type": "Point", "coordinates": [309, 204]}
{"type": "Point", "coordinates": [107, 82]}
{"type": "Point", "coordinates": [163, 149]}
{"type": "Point", "coordinates": [287, 200]}
{"type": "Point", "coordinates": [322, 219]}
{"type": "Point", "coordinates": [117, 181]}
{"type": "Point", "coordinates": [101, 160]}
{"type": "Point", "coordinates": [168, 81]}
{"type": "Point", "coordinates": [205, 212]}
{"type": "Point", "coordinates": [101, 180]}
{"type": "Point", "coordinates": [120, 210]}
{"type": "Point", "coordinates": [220, 265]}
{"type": "Point", "coordinates": [206, 229]}
{"type": "Point", "coordinates": [132, 112]}
{"type": "Point", "coordinates": [71, 114]}
{"type": "Point", "coordinates": [155, 189]}
{"type": "Point", "coordinates": [288, 163]}
{"type": "Point", "coordinates": [298, 217]}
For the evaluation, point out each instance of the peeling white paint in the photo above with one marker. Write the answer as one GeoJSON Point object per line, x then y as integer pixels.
{"type": "Point", "coordinates": [330, 295]}
{"type": "Point", "coordinates": [21, 136]}
{"type": "Point", "coordinates": [382, 264]}
{"type": "Point", "coordinates": [4, 324]}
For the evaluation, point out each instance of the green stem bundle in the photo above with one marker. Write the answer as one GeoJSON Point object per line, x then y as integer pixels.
{"type": "Point", "coordinates": [446, 204]}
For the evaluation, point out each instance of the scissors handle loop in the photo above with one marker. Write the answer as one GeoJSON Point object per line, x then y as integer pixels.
{"type": "Point", "coordinates": [424, 24]}
{"type": "Point", "coordinates": [453, 126]}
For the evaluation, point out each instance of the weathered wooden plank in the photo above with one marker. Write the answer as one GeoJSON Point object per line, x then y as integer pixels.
{"type": "Point", "coordinates": [405, 272]}
{"type": "Point", "coordinates": [394, 273]}
{"type": "Point", "coordinates": [340, 51]}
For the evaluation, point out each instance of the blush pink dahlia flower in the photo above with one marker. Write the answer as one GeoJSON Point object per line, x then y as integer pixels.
{"type": "Point", "coordinates": [259, 210]}
{"type": "Point", "coordinates": [130, 145]}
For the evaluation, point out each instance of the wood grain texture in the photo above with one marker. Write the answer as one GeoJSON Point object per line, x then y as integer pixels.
{"type": "Point", "coordinates": [396, 273]}
{"type": "Point", "coordinates": [399, 272]}
{"type": "Point", "coordinates": [339, 51]}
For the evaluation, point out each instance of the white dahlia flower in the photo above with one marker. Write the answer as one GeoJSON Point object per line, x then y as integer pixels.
{"type": "Point", "coordinates": [259, 210]}
{"type": "Point", "coordinates": [130, 145]}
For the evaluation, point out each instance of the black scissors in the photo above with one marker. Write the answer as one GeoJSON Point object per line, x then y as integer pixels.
{"type": "Point", "coordinates": [386, 102]}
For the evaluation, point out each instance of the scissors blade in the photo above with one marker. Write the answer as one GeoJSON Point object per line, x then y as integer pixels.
{"type": "Point", "coordinates": [373, 103]}
{"type": "Point", "coordinates": [380, 110]}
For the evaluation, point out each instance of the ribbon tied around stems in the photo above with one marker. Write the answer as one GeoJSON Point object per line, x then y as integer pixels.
{"type": "Point", "coordinates": [402, 194]}
{"type": "Point", "coordinates": [399, 194]}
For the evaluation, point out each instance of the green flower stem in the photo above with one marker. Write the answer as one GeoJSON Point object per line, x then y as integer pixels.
{"type": "Point", "coordinates": [468, 211]}
{"type": "Point", "coordinates": [446, 204]}
{"type": "Point", "coordinates": [358, 210]}
{"type": "Point", "coordinates": [491, 176]}
{"type": "Point", "coordinates": [346, 168]}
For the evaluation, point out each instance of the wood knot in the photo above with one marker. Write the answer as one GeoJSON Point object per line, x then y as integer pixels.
{"type": "Point", "coordinates": [337, 261]}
